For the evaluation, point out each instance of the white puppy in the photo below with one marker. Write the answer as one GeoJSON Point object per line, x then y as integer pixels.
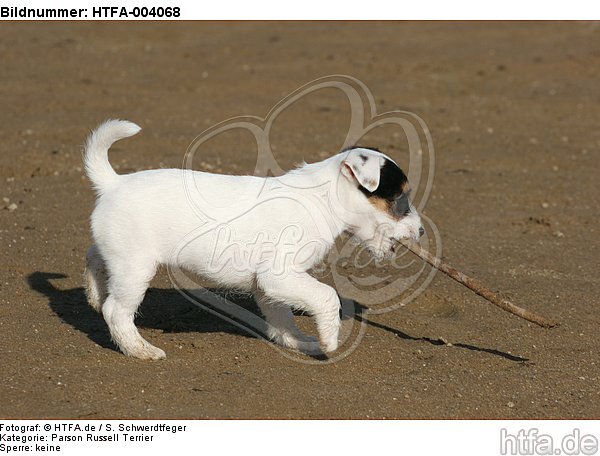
{"type": "Point", "coordinates": [261, 235]}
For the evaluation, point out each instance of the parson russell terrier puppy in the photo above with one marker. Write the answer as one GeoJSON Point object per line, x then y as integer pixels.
{"type": "Point", "coordinates": [144, 219]}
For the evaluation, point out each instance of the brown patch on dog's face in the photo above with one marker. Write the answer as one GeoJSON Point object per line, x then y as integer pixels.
{"type": "Point", "coordinates": [396, 208]}
{"type": "Point", "coordinates": [381, 204]}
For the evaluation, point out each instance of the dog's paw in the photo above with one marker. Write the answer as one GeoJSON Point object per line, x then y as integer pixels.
{"type": "Point", "coordinates": [297, 341]}
{"type": "Point", "coordinates": [146, 351]}
{"type": "Point", "coordinates": [309, 347]}
{"type": "Point", "coordinates": [306, 344]}
{"type": "Point", "coordinates": [329, 336]}
{"type": "Point", "coordinates": [330, 345]}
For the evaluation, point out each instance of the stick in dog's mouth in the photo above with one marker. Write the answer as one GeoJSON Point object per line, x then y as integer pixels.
{"type": "Point", "coordinates": [475, 285]}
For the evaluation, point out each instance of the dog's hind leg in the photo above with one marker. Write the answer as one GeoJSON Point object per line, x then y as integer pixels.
{"type": "Point", "coordinates": [282, 328]}
{"type": "Point", "coordinates": [95, 278]}
{"type": "Point", "coordinates": [126, 289]}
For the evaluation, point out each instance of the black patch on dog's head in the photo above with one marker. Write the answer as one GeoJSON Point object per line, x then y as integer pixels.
{"type": "Point", "coordinates": [392, 181]}
{"type": "Point", "coordinates": [393, 189]}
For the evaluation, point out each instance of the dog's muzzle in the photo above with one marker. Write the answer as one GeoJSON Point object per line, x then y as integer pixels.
{"type": "Point", "coordinates": [396, 242]}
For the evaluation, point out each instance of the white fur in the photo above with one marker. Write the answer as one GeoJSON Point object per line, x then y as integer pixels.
{"type": "Point", "coordinates": [256, 234]}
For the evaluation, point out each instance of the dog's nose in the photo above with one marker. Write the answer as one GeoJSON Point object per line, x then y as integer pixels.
{"type": "Point", "coordinates": [421, 231]}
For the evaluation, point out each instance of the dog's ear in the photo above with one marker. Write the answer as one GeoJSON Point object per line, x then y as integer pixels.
{"type": "Point", "coordinates": [364, 167]}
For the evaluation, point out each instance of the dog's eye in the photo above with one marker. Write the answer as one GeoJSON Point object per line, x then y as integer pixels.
{"type": "Point", "coordinates": [401, 205]}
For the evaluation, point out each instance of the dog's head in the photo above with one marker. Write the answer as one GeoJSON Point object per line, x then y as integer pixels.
{"type": "Point", "coordinates": [380, 196]}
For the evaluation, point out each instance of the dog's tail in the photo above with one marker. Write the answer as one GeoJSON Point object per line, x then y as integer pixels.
{"type": "Point", "coordinates": [95, 156]}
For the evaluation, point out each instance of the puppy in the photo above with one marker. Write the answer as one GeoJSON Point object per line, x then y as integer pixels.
{"type": "Point", "coordinates": [260, 235]}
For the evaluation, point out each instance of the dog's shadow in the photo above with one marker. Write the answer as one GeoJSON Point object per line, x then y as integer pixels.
{"type": "Point", "coordinates": [162, 309]}
{"type": "Point", "coordinates": [168, 311]}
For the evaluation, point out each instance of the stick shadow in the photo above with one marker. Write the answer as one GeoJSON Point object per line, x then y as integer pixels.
{"type": "Point", "coordinates": [360, 315]}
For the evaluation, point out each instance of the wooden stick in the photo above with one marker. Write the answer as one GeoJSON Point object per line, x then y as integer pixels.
{"type": "Point", "coordinates": [477, 287]}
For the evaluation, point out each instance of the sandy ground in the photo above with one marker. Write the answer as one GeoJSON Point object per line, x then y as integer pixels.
{"type": "Point", "coordinates": [513, 109]}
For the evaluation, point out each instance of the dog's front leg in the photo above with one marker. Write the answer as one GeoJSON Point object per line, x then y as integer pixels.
{"type": "Point", "coordinates": [282, 328]}
{"type": "Point", "coordinates": [304, 292]}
